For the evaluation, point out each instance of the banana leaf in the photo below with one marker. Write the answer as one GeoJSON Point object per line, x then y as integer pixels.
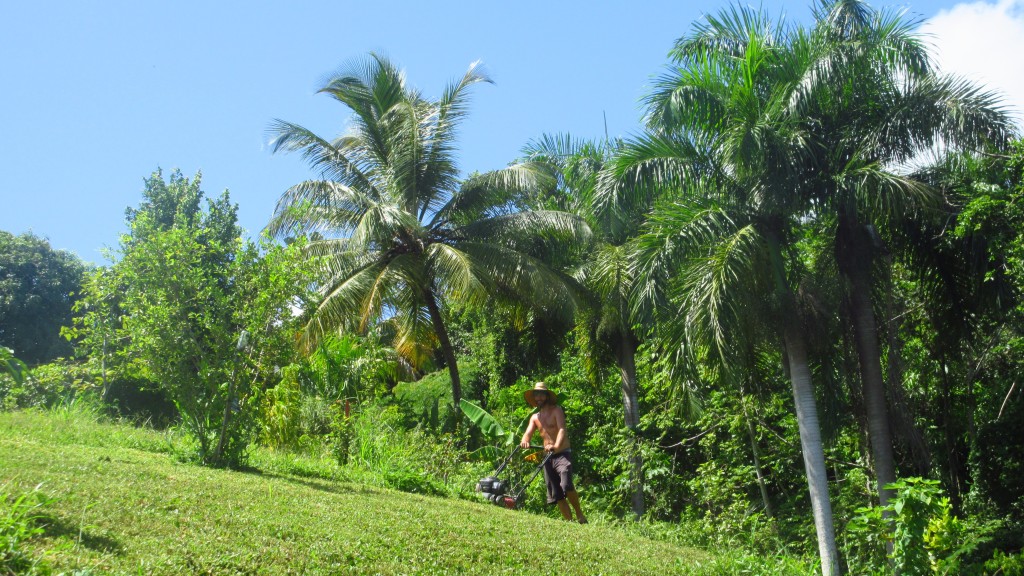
{"type": "Point", "coordinates": [16, 368]}
{"type": "Point", "coordinates": [490, 427]}
{"type": "Point", "coordinates": [486, 454]}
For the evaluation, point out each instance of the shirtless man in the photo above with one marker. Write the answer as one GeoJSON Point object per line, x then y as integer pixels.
{"type": "Point", "coordinates": [550, 422]}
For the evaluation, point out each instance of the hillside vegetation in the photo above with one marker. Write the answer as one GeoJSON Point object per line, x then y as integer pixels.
{"type": "Point", "coordinates": [783, 321]}
{"type": "Point", "coordinates": [120, 502]}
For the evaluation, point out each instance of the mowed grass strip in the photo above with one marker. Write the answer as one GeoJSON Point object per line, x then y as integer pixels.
{"type": "Point", "coordinates": [121, 509]}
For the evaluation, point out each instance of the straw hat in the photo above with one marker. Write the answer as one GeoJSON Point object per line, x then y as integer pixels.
{"type": "Point", "coordinates": [539, 387]}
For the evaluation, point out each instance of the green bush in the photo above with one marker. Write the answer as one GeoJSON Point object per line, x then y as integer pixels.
{"type": "Point", "coordinates": [278, 412]}
{"type": "Point", "coordinates": [1005, 564]}
{"type": "Point", "coordinates": [59, 383]}
{"type": "Point", "coordinates": [924, 535]}
{"type": "Point", "coordinates": [390, 455]}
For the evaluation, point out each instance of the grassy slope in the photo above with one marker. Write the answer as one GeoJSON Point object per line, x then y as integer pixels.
{"type": "Point", "coordinates": [123, 505]}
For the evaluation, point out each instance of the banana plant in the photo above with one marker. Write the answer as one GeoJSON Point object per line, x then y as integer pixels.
{"type": "Point", "coordinates": [17, 369]}
{"type": "Point", "coordinates": [492, 430]}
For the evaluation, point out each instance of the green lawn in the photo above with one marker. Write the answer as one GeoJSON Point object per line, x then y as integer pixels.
{"type": "Point", "coordinates": [123, 504]}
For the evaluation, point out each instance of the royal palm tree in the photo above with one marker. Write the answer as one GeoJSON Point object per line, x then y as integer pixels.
{"type": "Point", "coordinates": [396, 231]}
{"type": "Point", "coordinates": [726, 151]}
{"type": "Point", "coordinates": [876, 102]}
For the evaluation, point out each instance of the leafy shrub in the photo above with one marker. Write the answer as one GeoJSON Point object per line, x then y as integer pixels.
{"type": "Point", "coordinates": [926, 538]}
{"type": "Point", "coordinates": [315, 416]}
{"type": "Point", "coordinates": [279, 411]}
{"type": "Point", "coordinates": [1004, 564]}
{"type": "Point", "coordinates": [392, 456]}
{"type": "Point", "coordinates": [291, 419]}
{"type": "Point", "coordinates": [42, 387]}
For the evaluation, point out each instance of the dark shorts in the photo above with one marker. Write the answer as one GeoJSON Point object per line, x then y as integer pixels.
{"type": "Point", "coordinates": [558, 476]}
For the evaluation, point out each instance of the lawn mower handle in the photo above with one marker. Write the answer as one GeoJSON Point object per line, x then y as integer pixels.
{"type": "Point", "coordinates": [512, 455]}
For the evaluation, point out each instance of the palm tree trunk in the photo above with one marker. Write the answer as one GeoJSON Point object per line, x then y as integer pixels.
{"type": "Point", "coordinates": [627, 369]}
{"type": "Point", "coordinates": [953, 432]}
{"type": "Point", "coordinates": [866, 336]}
{"type": "Point", "coordinates": [855, 263]}
{"type": "Point", "coordinates": [813, 452]}
{"type": "Point", "coordinates": [446, 347]}
{"type": "Point", "coordinates": [806, 411]}
{"type": "Point", "coordinates": [626, 356]}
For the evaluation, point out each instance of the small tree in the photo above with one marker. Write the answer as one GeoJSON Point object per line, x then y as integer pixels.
{"type": "Point", "coordinates": [204, 313]}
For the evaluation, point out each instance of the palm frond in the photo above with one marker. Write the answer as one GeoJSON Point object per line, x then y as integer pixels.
{"type": "Point", "coordinates": [344, 298]}
{"type": "Point", "coordinates": [457, 275]}
{"type": "Point", "coordinates": [695, 98]}
{"type": "Point", "coordinates": [518, 277]}
{"type": "Point", "coordinates": [647, 167]}
{"type": "Point", "coordinates": [493, 193]}
{"type": "Point", "coordinates": [883, 193]}
{"type": "Point", "coordinates": [317, 206]}
{"type": "Point", "coordinates": [948, 110]}
{"type": "Point", "coordinates": [727, 33]}
{"type": "Point", "coordinates": [415, 338]}
{"type": "Point", "coordinates": [330, 162]}
{"type": "Point", "coordinates": [372, 88]}
{"type": "Point", "coordinates": [439, 169]}
{"type": "Point", "coordinates": [385, 226]}
{"type": "Point", "coordinates": [713, 290]}
{"type": "Point", "coordinates": [535, 232]}
{"type": "Point", "coordinates": [676, 232]}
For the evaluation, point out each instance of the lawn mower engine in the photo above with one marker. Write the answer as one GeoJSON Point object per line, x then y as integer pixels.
{"type": "Point", "coordinates": [494, 490]}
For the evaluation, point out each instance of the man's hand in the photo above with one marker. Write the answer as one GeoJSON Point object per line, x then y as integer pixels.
{"type": "Point", "coordinates": [549, 447]}
{"type": "Point", "coordinates": [525, 443]}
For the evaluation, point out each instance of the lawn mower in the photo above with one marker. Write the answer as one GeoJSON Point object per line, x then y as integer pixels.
{"type": "Point", "coordinates": [507, 493]}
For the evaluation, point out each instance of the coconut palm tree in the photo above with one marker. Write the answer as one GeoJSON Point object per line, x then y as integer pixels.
{"type": "Point", "coordinates": [396, 231]}
{"type": "Point", "coordinates": [726, 151]}
{"type": "Point", "coordinates": [876, 102]}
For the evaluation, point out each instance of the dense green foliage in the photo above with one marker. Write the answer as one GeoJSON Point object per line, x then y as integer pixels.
{"type": "Point", "coordinates": [38, 287]}
{"type": "Point", "coordinates": [194, 310]}
{"type": "Point", "coordinates": [768, 317]}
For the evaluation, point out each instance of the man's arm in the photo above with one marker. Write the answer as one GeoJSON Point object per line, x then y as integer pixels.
{"type": "Point", "coordinates": [562, 436]}
{"type": "Point", "coordinates": [530, 429]}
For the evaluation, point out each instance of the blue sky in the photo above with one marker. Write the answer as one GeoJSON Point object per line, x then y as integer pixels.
{"type": "Point", "coordinates": [98, 95]}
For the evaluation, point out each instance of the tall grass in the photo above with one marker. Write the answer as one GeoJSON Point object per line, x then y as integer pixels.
{"type": "Point", "coordinates": [81, 421]}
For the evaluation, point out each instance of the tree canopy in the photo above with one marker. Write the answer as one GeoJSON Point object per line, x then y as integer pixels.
{"type": "Point", "coordinates": [38, 288]}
